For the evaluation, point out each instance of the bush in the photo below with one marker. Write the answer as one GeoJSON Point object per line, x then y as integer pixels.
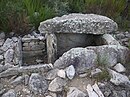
{"type": "Point", "coordinates": [12, 16]}
{"type": "Point", "coordinates": [37, 11]}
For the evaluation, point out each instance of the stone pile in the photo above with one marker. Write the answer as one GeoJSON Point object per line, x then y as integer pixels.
{"type": "Point", "coordinates": [33, 48]}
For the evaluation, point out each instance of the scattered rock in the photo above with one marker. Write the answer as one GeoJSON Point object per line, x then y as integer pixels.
{"type": "Point", "coordinates": [119, 79]}
{"type": "Point", "coordinates": [70, 72]}
{"type": "Point", "coordinates": [61, 73]}
{"type": "Point", "coordinates": [91, 92]}
{"type": "Point", "coordinates": [37, 84]}
{"type": "Point", "coordinates": [95, 72]}
{"type": "Point", "coordinates": [119, 68]}
{"type": "Point", "coordinates": [57, 85]}
{"type": "Point", "coordinates": [8, 44]}
{"type": "Point", "coordinates": [51, 74]}
{"type": "Point", "coordinates": [18, 80]}
{"type": "Point", "coordinates": [10, 93]}
{"type": "Point", "coordinates": [97, 90]}
{"type": "Point", "coordinates": [74, 92]}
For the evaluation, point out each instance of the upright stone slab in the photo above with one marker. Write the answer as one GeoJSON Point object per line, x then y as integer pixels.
{"type": "Point", "coordinates": [75, 30]}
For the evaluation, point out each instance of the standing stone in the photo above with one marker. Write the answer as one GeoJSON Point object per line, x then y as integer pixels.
{"type": "Point", "coordinates": [57, 84]}
{"type": "Point", "coordinates": [18, 52]}
{"type": "Point", "coordinates": [10, 93]}
{"type": "Point", "coordinates": [74, 92]}
{"type": "Point", "coordinates": [37, 84]}
{"type": "Point", "coordinates": [70, 72]}
{"type": "Point", "coordinates": [9, 55]}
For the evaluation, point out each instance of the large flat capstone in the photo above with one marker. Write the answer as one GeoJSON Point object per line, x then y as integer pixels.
{"type": "Point", "coordinates": [79, 23]}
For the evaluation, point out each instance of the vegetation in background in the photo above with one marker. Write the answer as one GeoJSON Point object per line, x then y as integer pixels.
{"type": "Point", "coordinates": [21, 15]}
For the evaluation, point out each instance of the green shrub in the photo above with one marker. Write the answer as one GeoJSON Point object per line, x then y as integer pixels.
{"type": "Point", "coordinates": [37, 11]}
{"type": "Point", "coordinates": [12, 16]}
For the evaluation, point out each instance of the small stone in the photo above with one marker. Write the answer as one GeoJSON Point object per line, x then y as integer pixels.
{"type": "Point", "coordinates": [119, 68]}
{"type": "Point", "coordinates": [9, 54]}
{"type": "Point", "coordinates": [18, 80]}
{"type": "Point", "coordinates": [1, 57]}
{"type": "Point", "coordinates": [2, 35]}
{"type": "Point", "coordinates": [57, 84]}
{"type": "Point", "coordinates": [10, 93]}
{"type": "Point", "coordinates": [74, 92]}
{"type": "Point", "coordinates": [70, 72]}
{"type": "Point", "coordinates": [37, 84]}
{"type": "Point", "coordinates": [96, 72]}
{"type": "Point", "coordinates": [91, 92]}
{"type": "Point", "coordinates": [51, 74]}
{"type": "Point", "coordinates": [61, 73]}
{"type": "Point", "coordinates": [8, 44]}
{"type": "Point", "coordinates": [15, 39]}
{"type": "Point", "coordinates": [119, 79]}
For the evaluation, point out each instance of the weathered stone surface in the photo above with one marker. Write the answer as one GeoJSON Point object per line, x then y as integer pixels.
{"type": "Point", "coordinates": [10, 93]}
{"type": "Point", "coordinates": [79, 23]}
{"type": "Point", "coordinates": [119, 68]}
{"type": "Point", "coordinates": [9, 55]}
{"type": "Point", "coordinates": [18, 52]}
{"type": "Point", "coordinates": [70, 72]}
{"type": "Point", "coordinates": [57, 84]}
{"type": "Point", "coordinates": [111, 54]}
{"type": "Point", "coordinates": [91, 92]}
{"type": "Point", "coordinates": [26, 69]}
{"type": "Point", "coordinates": [109, 40]}
{"type": "Point", "coordinates": [119, 79]}
{"type": "Point", "coordinates": [74, 92]}
{"type": "Point", "coordinates": [51, 74]}
{"type": "Point", "coordinates": [61, 73]}
{"type": "Point", "coordinates": [7, 44]}
{"type": "Point", "coordinates": [18, 80]}
{"type": "Point", "coordinates": [37, 84]}
{"type": "Point", "coordinates": [80, 58]}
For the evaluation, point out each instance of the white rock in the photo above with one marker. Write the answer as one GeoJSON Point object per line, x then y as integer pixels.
{"type": "Point", "coordinates": [74, 92]}
{"type": "Point", "coordinates": [119, 79]}
{"type": "Point", "coordinates": [57, 85]}
{"type": "Point", "coordinates": [1, 57]}
{"type": "Point", "coordinates": [61, 73]}
{"type": "Point", "coordinates": [97, 90]}
{"type": "Point", "coordinates": [70, 72]}
{"type": "Point", "coordinates": [119, 68]}
{"type": "Point", "coordinates": [91, 92]}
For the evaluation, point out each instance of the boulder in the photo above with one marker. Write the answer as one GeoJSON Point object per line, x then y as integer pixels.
{"type": "Point", "coordinates": [70, 72]}
{"type": "Point", "coordinates": [57, 85]}
{"type": "Point", "coordinates": [111, 54]}
{"type": "Point", "coordinates": [74, 92]}
{"type": "Point", "coordinates": [81, 58]}
{"type": "Point", "coordinates": [10, 93]}
{"type": "Point", "coordinates": [38, 84]}
{"type": "Point", "coordinates": [79, 23]}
